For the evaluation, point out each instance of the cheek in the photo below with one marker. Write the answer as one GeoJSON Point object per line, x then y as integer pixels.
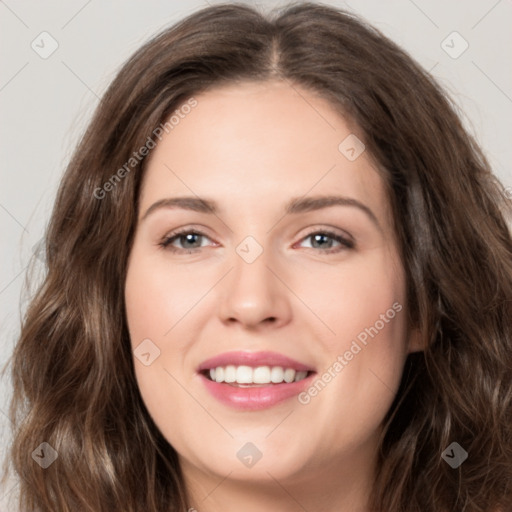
{"type": "Point", "coordinates": [160, 300]}
{"type": "Point", "coordinates": [362, 300]}
{"type": "Point", "coordinates": [152, 309]}
{"type": "Point", "coordinates": [364, 304]}
{"type": "Point", "coordinates": [157, 297]}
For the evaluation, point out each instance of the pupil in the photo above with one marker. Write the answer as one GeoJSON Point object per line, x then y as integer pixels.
{"type": "Point", "coordinates": [189, 237]}
{"type": "Point", "coordinates": [318, 238]}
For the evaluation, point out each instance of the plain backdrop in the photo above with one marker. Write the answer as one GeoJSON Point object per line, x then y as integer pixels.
{"type": "Point", "coordinates": [47, 100]}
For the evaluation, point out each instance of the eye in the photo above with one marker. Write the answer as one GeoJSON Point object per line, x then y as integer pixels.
{"type": "Point", "coordinates": [324, 240]}
{"type": "Point", "coordinates": [191, 240]}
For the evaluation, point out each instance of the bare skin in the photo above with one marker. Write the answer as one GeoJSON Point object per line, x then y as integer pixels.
{"type": "Point", "coordinates": [252, 148]}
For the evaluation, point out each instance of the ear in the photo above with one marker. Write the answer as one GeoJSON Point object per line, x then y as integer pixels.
{"type": "Point", "coordinates": [415, 343]}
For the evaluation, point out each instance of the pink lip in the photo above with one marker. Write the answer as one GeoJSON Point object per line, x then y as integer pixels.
{"type": "Point", "coordinates": [253, 359]}
{"type": "Point", "coordinates": [257, 397]}
{"type": "Point", "coordinates": [254, 398]}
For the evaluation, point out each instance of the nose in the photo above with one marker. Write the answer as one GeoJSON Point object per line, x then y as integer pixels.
{"type": "Point", "coordinates": [253, 296]}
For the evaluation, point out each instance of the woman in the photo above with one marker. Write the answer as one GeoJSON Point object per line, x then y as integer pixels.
{"type": "Point", "coordinates": [337, 336]}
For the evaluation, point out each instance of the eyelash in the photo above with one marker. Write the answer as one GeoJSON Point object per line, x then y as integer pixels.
{"type": "Point", "coordinates": [167, 241]}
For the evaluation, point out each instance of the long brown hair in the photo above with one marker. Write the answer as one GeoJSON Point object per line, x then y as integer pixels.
{"type": "Point", "coordinates": [72, 368]}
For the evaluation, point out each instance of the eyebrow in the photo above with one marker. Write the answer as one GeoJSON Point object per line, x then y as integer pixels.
{"type": "Point", "coordinates": [295, 206]}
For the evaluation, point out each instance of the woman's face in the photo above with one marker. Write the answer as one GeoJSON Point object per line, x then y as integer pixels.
{"type": "Point", "coordinates": [277, 282]}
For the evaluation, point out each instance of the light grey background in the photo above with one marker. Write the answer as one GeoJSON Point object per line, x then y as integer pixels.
{"type": "Point", "coordinates": [45, 104]}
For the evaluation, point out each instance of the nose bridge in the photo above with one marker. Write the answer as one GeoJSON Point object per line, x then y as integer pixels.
{"type": "Point", "coordinates": [251, 265]}
{"type": "Point", "coordinates": [252, 293]}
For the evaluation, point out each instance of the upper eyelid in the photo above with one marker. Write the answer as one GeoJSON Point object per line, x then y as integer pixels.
{"type": "Point", "coordinates": [201, 232]}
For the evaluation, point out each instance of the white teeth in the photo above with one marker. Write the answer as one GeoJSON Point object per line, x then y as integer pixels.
{"type": "Point", "coordinates": [219, 374]}
{"type": "Point", "coordinates": [230, 373]}
{"type": "Point", "coordinates": [244, 375]}
{"type": "Point", "coordinates": [277, 375]}
{"type": "Point", "coordinates": [259, 375]}
{"type": "Point", "coordinates": [289, 375]}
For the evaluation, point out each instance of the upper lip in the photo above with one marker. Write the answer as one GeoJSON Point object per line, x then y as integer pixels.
{"type": "Point", "coordinates": [253, 359]}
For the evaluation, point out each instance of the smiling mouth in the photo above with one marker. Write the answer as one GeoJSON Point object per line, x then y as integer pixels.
{"type": "Point", "coordinates": [247, 377]}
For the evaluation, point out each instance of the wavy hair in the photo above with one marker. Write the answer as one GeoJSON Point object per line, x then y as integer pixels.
{"type": "Point", "coordinates": [72, 367]}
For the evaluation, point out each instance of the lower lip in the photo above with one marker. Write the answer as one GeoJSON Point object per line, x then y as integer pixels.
{"type": "Point", "coordinates": [257, 397]}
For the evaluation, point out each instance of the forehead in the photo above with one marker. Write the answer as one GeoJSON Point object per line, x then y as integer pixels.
{"type": "Point", "coordinates": [259, 141]}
